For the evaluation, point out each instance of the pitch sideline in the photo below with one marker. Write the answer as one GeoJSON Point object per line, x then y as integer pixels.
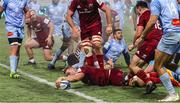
{"type": "Point", "coordinates": [44, 81]}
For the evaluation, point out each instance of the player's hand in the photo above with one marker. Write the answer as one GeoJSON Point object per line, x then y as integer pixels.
{"type": "Point", "coordinates": [109, 29]}
{"type": "Point", "coordinates": [130, 47]}
{"type": "Point", "coordinates": [139, 41]}
{"type": "Point", "coordinates": [58, 81]}
{"type": "Point", "coordinates": [49, 41]}
{"type": "Point", "coordinates": [75, 33]}
{"type": "Point", "coordinates": [110, 62]}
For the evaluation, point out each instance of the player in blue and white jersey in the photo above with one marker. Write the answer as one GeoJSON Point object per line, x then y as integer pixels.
{"type": "Point", "coordinates": [119, 7]}
{"type": "Point", "coordinates": [14, 23]}
{"type": "Point", "coordinates": [167, 11]}
{"type": "Point", "coordinates": [115, 47]}
{"type": "Point", "coordinates": [57, 12]}
{"type": "Point", "coordinates": [34, 5]}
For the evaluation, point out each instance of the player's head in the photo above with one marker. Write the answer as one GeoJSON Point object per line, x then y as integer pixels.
{"type": "Point", "coordinates": [141, 6]}
{"type": "Point", "coordinates": [55, 2]}
{"type": "Point", "coordinates": [118, 34]}
{"type": "Point", "coordinates": [69, 71]}
{"type": "Point", "coordinates": [31, 15]}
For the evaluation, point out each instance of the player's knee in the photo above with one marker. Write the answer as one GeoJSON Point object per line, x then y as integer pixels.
{"type": "Point", "coordinates": [27, 45]}
{"type": "Point", "coordinates": [97, 41]}
{"type": "Point", "coordinates": [87, 47]}
{"type": "Point", "coordinates": [48, 58]}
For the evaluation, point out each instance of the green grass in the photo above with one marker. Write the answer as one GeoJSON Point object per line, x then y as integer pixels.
{"type": "Point", "coordinates": [28, 90]}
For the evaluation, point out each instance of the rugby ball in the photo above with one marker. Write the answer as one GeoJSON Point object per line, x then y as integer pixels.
{"type": "Point", "coordinates": [65, 84]}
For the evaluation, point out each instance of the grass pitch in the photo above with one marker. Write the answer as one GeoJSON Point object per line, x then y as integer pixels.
{"type": "Point", "coordinates": [28, 90]}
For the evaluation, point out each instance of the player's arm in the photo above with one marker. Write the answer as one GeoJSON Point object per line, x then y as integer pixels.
{"type": "Point", "coordinates": [49, 39]}
{"type": "Point", "coordinates": [69, 19]}
{"type": "Point", "coordinates": [51, 29]}
{"type": "Point", "coordinates": [106, 47]}
{"type": "Point", "coordinates": [139, 30]}
{"type": "Point", "coordinates": [29, 33]}
{"type": "Point", "coordinates": [126, 57]}
{"type": "Point", "coordinates": [71, 78]}
{"type": "Point", "coordinates": [148, 28]}
{"type": "Point", "coordinates": [1, 8]}
{"type": "Point", "coordinates": [82, 57]}
{"type": "Point", "coordinates": [107, 11]}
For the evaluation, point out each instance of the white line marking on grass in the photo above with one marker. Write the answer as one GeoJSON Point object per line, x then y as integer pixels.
{"type": "Point", "coordinates": [44, 81]}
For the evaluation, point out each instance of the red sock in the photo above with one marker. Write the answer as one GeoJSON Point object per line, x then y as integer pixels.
{"type": "Point", "coordinates": [153, 74]}
{"type": "Point", "coordinates": [90, 61]}
{"type": "Point", "coordinates": [100, 59]}
{"type": "Point", "coordinates": [155, 80]}
{"type": "Point", "coordinates": [131, 74]}
{"type": "Point", "coordinates": [142, 75]}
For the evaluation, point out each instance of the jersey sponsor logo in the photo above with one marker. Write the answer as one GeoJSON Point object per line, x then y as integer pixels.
{"type": "Point", "coordinates": [9, 34]}
{"type": "Point", "coordinates": [176, 22]}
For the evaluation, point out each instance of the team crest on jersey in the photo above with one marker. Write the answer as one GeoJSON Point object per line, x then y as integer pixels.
{"type": "Point", "coordinates": [78, 6]}
{"type": "Point", "coordinates": [90, 5]}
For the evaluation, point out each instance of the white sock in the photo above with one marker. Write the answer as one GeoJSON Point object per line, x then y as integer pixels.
{"type": "Point", "coordinates": [32, 60]}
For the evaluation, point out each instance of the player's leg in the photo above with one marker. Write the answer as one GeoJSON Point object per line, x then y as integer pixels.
{"type": "Point", "coordinates": [15, 37]}
{"type": "Point", "coordinates": [66, 40]}
{"type": "Point", "coordinates": [97, 45]}
{"type": "Point", "coordinates": [47, 54]}
{"type": "Point", "coordinates": [166, 48]}
{"type": "Point", "coordinates": [137, 70]}
{"type": "Point", "coordinates": [87, 49]}
{"type": "Point", "coordinates": [29, 45]}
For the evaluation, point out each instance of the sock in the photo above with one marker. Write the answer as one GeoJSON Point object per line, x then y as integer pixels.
{"type": "Point", "coordinates": [100, 59]}
{"type": "Point", "coordinates": [155, 80]}
{"type": "Point", "coordinates": [32, 60]}
{"type": "Point", "coordinates": [142, 75]}
{"type": "Point", "coordinates": [130, 75]}
{"type": "Point", "coordinates": [90, 60]}
{"type": "Point", "coordinates": [13, 63]}
{"type": "Point", "coordinates": [153, 74]}
{"type": "Point", "coordinates": [64, 57]}
{"type": "Point", "coordinates": [178, 70]}
{"type": "Point", "coordinates": [56, 56]}
{"type": "Point", "coordinates": [167, 83]}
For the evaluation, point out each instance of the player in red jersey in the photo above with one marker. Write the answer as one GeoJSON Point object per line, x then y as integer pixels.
{"type": "Point", "coordinates": [93, 76]}
{"type": "Point", "coordinates": [146, 50]}
{"type": "Point", "coordinates": [43, 29]}
{"type": "Point", "coordinates": [90, 25]}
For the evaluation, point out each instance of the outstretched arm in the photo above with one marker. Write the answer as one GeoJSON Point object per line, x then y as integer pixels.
{"type": "Point", "coordinates": [71, 78]}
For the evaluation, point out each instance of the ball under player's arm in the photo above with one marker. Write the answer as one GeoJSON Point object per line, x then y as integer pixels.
{"type": "Point", "coordinates": [71, 78]}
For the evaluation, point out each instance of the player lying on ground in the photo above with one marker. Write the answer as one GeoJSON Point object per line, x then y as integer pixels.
{"type": "Point", "coordinates": [43, 29]}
